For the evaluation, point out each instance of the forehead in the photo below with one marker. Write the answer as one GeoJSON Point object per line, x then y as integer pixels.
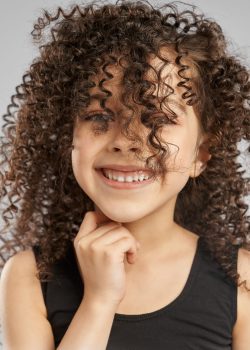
{"type": "Point", "coordinates": [164, 76]}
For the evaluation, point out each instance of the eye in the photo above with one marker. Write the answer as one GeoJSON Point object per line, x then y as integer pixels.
{"type": "Point", "coordinates": [172, 121]}
{"type": "Point", "coordinates": [98, 117]}
{"type": "Point", "coordinates": [166, 119]}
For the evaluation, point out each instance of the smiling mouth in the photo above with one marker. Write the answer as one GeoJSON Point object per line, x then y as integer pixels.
{"type": "Point", "coordinates": [128, 177]}
{"type": "Point", "coordinates": [121, 183]}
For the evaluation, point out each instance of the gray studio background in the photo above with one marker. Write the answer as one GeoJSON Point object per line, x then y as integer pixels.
{"type": "Point", "coordinates": [17, 51]}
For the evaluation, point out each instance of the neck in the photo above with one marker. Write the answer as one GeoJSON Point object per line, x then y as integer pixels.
{"type": "Point", "coordinates": [156, 232]}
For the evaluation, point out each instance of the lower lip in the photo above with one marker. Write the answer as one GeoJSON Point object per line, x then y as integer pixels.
{"type": "Point", "coordinates": [124, 185]}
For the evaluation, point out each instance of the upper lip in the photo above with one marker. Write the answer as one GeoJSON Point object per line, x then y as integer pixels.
{"type": "Point", "coordinates": [124, 167]}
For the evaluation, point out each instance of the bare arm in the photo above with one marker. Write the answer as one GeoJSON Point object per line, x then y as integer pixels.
{"type": "Point", "coordinates": [90, 328]}
{"type": "Point", "coordinates": [22, 311]}
{"type": "Point", "coordinates": [100, 252]}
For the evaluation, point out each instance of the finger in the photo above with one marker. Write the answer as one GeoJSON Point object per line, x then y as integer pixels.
{"type": "Point", "coordinates": [110, 235]}
{"type": "Point", "coordinates": [131, 257]}
{"type": "Point", "coordinates": [91, 236]}
{"type": "Point", "coordinates": [90, 222]}
{"type": "Point", "coordinates": [123, 247]}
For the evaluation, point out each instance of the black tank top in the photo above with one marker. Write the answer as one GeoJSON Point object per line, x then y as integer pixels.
{"type": "Point", "coordinates": [200, 318]}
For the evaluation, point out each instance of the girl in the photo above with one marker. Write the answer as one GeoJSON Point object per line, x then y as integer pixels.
{"type": "Point", "coordinates": [125, 187]}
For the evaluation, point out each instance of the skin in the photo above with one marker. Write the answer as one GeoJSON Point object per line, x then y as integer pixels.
{"type": "Point", "coordinates": [149, 209]}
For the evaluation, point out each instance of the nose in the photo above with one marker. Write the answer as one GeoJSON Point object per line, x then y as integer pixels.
{"type": "Point", "coordinates": [120, 143]}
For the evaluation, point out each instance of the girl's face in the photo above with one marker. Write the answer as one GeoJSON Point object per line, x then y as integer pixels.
{"type": "Point", "coordinates": [111, 147]}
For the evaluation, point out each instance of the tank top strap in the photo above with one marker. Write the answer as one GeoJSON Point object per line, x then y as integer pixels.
{"type": "Point", "coordinates": [211, 267]}
{"type": "Point", "coordinates": [234, 252]}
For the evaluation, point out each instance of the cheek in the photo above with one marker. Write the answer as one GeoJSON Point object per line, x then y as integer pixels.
{"type": "Point", "coordinates": [187, 151]}
{"type": "Point", "coordinates": [77, 165]}
{"type": "Point", "coordinates": [81, 158]}
{"type": "Point", "coordinates": [84, 145]}
{"type": "Point", "coordinates": [82, 169]}
{"type": "Point", "coordinates": [181, 144]}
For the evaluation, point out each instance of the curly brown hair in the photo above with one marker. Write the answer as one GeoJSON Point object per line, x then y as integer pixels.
{"type": "Point", "coordinates": [45, 204]}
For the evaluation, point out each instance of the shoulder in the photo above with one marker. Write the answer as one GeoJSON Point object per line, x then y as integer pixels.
{"type": "Point", "coordinates": [20, 272]}
{"type": "Point", "coordinates": [25, 257]}
{"type": "Point", "coordinates": [241, 331]}
{"type": "Point", "coordinates": [19, 264]}
{"type": "Point", "coordinates": [21, 305]}
{"type": "Point", "coordinates": [22, 264]}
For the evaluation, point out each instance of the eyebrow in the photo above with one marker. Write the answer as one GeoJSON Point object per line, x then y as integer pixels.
{"type": "Point", "coordinates": [180, 106]}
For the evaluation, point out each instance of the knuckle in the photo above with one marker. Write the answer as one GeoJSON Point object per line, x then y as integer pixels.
{"type": "Point", "coordinates": [108, 254]}
{"type": "Point", "coordinates": [79, 243]}
{"type": "Point", "coordinates": [129, 237]}
{"type": "Point", "coordinates": [88, 214]}
{"type": "Point", "coordinates": [93, 247]}
{"type": "Point", "coordinates": [126, 232]}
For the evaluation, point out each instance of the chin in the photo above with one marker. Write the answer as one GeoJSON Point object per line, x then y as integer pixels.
{"type": "Point", "coordinates": [123, 215]}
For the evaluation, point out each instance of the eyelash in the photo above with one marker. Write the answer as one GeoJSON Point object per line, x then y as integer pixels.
{"type": "Point", "coordinates": [92, 116]}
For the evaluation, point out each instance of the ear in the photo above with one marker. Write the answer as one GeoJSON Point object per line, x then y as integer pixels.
{"type": "Point", "coordinates": [202, 156]}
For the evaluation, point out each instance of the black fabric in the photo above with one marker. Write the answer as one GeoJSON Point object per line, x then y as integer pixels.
{"type": "Point", "coordinates": [200, 318]}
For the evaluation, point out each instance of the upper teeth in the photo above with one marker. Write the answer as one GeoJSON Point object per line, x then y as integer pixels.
{"type": "Point", "coordinates": [123, 178]}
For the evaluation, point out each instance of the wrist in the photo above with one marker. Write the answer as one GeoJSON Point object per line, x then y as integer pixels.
{"type": "Point", "coordinates": [99, 305]}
